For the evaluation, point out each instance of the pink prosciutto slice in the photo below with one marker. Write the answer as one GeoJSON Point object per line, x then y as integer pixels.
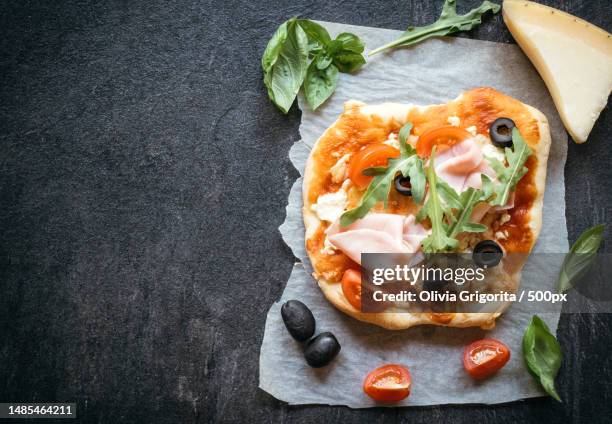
{"type": "Point", "coordinates": [377, 233]}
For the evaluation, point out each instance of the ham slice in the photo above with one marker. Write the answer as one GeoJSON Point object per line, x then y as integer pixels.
{"type": "Point", "coordinates": [462, 164]}
{"type": "Point", "coordinates": [377, 233]}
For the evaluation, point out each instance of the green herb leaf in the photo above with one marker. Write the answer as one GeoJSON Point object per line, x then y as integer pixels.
{"type": "Point", "coordinates": [348, 62]}
{"type": "Point", "coordinates": [497, 192]}
{"type": "Point", "coordinates": [302, 52]}
{"type": "Point", "coordinates": [416, 173]}
{"type": "Point", "coordinates": [437, 241]}
{"type": "Point", "coordinates": [285, 62]}
{"type": "Point", "coordinates": [378, 190]}
{"type": "Point", "coordinates": [315, 32]}
{"type": "Point", "coordinates": [454, 218]}
{"type": "Point", "coordinates": [460, 220]}
{"type": "Point", "coordinates": [542, 353]}
{"type": "Point", "coordinates": [322, 61]}
{"type": "Point", "coordinates": [580, 258]}
{"type": "Point", "coordinates": [448, 23]}
{"type": "Point", "coordinates": [319, 84]}
{"type": "Point", "coordinates": [347, 42]}
{"type": "Point", "coordinates": [274, 46]}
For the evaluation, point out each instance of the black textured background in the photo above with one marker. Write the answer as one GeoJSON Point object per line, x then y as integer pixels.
{"type": "Point", "coordinates": [144, 175]}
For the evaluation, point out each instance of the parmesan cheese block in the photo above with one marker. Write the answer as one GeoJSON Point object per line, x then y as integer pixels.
{"type": "Point", "coordinates": [573, 57]}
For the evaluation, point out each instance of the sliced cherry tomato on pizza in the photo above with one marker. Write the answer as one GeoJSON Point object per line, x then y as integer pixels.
{"type": "Point", "coordinates": [372, 155]}
{"type": "Point", "coordinates": [389, 383]}
{"type": "Point", "coordinates": [351, 287]}
{"type": "Point", "coordinates": [485, 357]}
{"type": "Point", "coordinates": [443, 137]}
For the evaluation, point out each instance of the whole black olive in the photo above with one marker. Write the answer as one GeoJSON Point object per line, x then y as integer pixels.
{"type": "Point", "coordinates": [402, 185]}
{"type": "Point", "coordinates": [487, 253]}
{"type": "Point", "coordinates": [501, 132]}
{"type": "Point", "coordinates": [321, 350]}
{"type": "Point", "coordinates": [298, 319]}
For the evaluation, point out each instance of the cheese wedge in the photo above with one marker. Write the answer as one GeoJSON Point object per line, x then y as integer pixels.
{"type": "Point", "coordinates": [573, 57]}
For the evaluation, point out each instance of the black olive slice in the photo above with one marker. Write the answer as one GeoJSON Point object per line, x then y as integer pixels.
{"type": "Point", "coordinates": [487, 253]}
{"type": "Point", "coordinates": [298, 319]}
{"type": "Point", "coordinates": [501, 132]}
{"type": "Point", "coordinates": [402, 185]}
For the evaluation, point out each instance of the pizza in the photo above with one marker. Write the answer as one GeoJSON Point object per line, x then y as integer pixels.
{"type": "Point", "coordinates": [411, 154]}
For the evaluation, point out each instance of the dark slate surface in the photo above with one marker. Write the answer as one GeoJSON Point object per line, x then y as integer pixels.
{"type": "Point", "coordinates": [144, 174]}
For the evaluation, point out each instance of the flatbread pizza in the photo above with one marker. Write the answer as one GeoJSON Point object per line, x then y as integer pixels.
{"type": "Point", "coordinates": [345, 215]}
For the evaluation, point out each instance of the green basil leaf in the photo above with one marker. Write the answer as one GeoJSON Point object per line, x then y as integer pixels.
{"type": "Point", "coordinates": [323, 61]}
{"type": "Point", "coordinates": [350, 43]}
{"type": "Point", "coordinates": [580, 258]}
{"type": "Point", "coordinates": [497, 193]}
{"type": "Point", "coordinates": [315, 32]}
{"type": "Point", "coordinates": [348, 62]}
{"type": "Point", "coordinates": [542, 354]}
{"type": "Point", "coordinates": [378, 189]}
{"type": "Point", "coordinates": [274, 46]}
{"type": "Point", "coordinates": [285, 66]}
{"type": "Point", "coordinates": [448, 23]}
{"type": "Point", "coordinates": [319, 84]}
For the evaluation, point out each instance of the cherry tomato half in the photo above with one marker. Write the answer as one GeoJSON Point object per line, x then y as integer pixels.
{"type": "Point", "coordinates": [444, 137]}
{"type": "Point", "coordinates": [485, 357]}
{"type": "Point", "coordinates": [351, 287]}
{"type": "Point", "coordinates": [372, 155]}
{"type": "Point", "coordinates": [389, 383]}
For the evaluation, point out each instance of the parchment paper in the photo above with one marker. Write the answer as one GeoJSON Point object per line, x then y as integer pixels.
{"type": "Point", "coordinates": [435, 71]}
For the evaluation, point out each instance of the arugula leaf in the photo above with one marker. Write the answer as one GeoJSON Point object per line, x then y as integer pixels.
{"type": "Point", "coordinates": [302, 52]}
{"type": "Point", "coordinates": [460, 222]}
{"type": "Point", "coordinates": [497, 193]}
{"type": "Point", "coordinates": [580, 258]}
{"type": "Point", "coordinates": [320, 84]}
{"type": "Point", "coordinates": [285, 62]}
{"type": "Point", "coordinates": [437, 241]}
{"type": "Point", "coordinates": [542, 353]}
{"type": "Point", "coordinates": [448, 23]}
{"type": "Point", "coordinates": [379, 188]}
{"type": "Point", "coordinates": [456, 211]}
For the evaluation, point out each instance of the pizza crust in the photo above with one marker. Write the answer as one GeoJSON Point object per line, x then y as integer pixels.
{"type": "Point", "coordinates": [398, 115]}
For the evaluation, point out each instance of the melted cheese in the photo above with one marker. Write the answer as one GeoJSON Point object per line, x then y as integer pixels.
{"type": "Point", "coordinates": [491, 151]}
{"type": "Point", "coordinates": [573, 57]}
{"type": "Point", "coordinates": [330, 206]}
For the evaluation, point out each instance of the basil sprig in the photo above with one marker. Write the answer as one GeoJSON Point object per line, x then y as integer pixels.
{"type": "Point", "coordinates": [448, 23]}
{"type": "Point", "coordinates": [408, 164]}
{"type": "Point", "coordinates": [542, 353]}
{"type": "Point", "coordinates": [301, 52]}
{"type": "Point", "coordinates": [580, 258]}
{"type": "Point", "coordinates": [508, 177]}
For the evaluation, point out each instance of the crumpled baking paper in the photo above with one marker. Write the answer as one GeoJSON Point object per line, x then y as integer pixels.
{"type": "Point", "coordinates": [435, 71]}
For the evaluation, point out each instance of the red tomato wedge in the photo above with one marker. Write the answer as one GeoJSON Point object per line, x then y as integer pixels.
{"type": "Point", "coordinates": [485, 357]}
{"type": "Point", "coordinates": [443, 137]}
{"type": "Point", "coordinates": [373, 155]}
{"type": "Point", "coordinates": [389, 383]}
{"type": "Point", "coordinates": [351, 287]}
